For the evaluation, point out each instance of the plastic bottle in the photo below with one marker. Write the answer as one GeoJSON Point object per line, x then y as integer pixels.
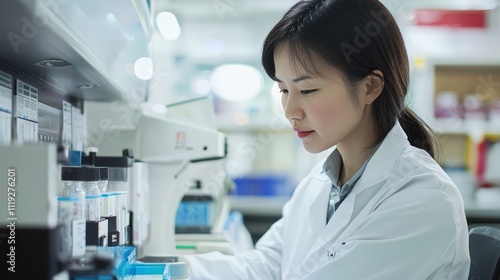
{"type": "Point", "coordinates": [103, 180]}
{"type": "Point", "coordinates": [71, 212]}
{"type": "Point", "coordinates": [91, 177]}
{"type": "Point", "coordinates": [103, 187]}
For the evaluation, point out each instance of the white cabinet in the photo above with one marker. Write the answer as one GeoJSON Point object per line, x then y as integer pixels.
{"type": "Point", "coordinates": [100, 39]}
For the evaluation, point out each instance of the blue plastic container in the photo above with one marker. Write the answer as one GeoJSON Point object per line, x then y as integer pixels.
{"type": "Point", "coordinates": [273, 185]}
{"type": "Point", "coordinates": [150, 271]}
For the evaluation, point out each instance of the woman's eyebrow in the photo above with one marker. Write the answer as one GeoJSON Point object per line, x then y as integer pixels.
{"type": "Point", "coordinates": [296, 80]}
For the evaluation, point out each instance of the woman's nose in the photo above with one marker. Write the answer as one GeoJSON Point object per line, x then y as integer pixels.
{"type": "Point", "coordinates": [291, 107]}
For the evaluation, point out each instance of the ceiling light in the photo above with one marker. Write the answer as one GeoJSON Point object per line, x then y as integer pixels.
{"type": "Point", "coordinates": [168, 26]}
{"type": "Point", "coordinates": [53, 63]}
{"type": "Point", "coordinates": [236, 82]}
{"type": "Point", "coordinates": [143, 68]}
{"type": "Point", "coordinates": [86, 86]}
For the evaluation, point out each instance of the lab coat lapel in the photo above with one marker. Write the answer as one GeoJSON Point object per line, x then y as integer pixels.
{"type": "Point", "coordinates": [336, 225]}
{"type": "Point", "coordinates": [318, 208]}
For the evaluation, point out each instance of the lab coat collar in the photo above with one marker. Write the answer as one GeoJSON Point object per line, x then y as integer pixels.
{"type": "Point", "coordinates": [378, 168]}
{"type": "Point", "coordinates": [380, 165]}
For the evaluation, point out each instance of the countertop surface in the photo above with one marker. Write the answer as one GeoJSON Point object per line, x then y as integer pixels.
{"type": "Point", "coordinates": [272, 206]}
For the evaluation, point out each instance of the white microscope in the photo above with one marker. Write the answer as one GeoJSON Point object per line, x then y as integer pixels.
{"type": "Point", "coordinates": [182, 149]}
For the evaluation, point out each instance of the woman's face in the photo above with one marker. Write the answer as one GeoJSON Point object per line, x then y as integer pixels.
{"type": "Point", "coordinates": [319, 107]}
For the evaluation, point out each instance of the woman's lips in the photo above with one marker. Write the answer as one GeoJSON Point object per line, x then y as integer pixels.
{"type": "Point", "coordinates": [303, 134]}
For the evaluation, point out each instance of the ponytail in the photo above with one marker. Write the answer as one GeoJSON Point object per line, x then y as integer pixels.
{"type": "Point", "coordinates": [419, 133]}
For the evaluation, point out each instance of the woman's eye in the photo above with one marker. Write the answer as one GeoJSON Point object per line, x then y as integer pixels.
{"type": "Point", "coordinates": [283, 91]}
{"type": "Point", "coordinates": [307, 91]}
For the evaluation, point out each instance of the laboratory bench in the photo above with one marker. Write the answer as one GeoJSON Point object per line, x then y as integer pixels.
{"type": "Point", "coordinates": [260, 212]}
{"type": "Point", "coordinates": [258, 205]}
{"type": "Point", "coordinates": [482, 213]}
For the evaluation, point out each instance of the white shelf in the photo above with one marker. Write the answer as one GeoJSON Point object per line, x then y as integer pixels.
{"type": "Point", "coordinates": [460, 128]}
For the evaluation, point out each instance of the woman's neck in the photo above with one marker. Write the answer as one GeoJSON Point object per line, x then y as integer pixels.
{"type": "Point", "coordinates": [351, 164]}
{"type": "Point", "coordinates": [356, 149]}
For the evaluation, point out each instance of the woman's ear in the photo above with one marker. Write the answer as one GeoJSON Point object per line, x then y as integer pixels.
{"type": "Point", "coordinates": [373, 85]}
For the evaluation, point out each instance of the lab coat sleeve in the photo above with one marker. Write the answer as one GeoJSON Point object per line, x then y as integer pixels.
{"type": "Point", "coordinates": [264, 262]}
{"type": "Point", "coordinates": [411, 235]}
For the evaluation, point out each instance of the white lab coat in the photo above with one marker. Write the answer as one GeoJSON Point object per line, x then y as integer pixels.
{"type": "Point", "coordinates": [404, 219]}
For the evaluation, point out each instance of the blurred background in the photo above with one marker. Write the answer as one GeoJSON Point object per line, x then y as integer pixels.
{"type": "Point", "coordinates": [94, 64]}
{"type": "Point", "coordinates": [212, 48]}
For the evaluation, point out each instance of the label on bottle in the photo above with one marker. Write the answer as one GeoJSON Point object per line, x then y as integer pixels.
{"type": "Point", "coordinates": [65, 217]}
{"type": "Point", "coordinates": [93, 208]}
{"type": "Point", "coordinates": [79, 237]}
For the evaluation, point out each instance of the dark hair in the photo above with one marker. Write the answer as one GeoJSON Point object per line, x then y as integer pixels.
{"type": "Point", "coordinates": [356, 37]}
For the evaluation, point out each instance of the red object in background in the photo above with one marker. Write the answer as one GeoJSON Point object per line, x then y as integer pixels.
{"type": "Point", "coordinates": [481, 164]}
{"type": "Point", "coordinates": [456, 19]}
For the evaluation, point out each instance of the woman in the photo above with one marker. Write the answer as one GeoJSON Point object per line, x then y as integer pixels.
{"type": "Point", "coordinates": [379, 207]}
